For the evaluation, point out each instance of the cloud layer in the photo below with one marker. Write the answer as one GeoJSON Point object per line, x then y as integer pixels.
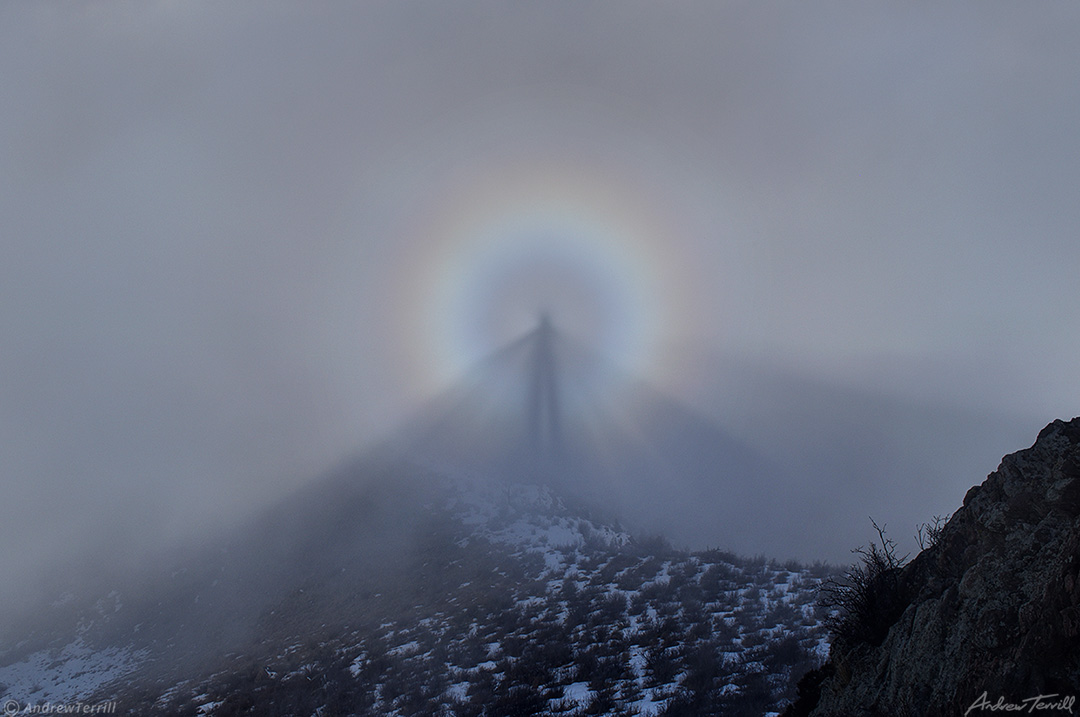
{"type": "Point", "coordinates": [210, 210]}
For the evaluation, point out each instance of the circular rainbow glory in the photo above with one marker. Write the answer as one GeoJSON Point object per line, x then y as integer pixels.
{"type": "Point", "coordinates": [540, 242]}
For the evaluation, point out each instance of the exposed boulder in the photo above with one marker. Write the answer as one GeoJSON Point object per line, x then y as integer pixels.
{"type": "Point", "coordinates": [992, 608]}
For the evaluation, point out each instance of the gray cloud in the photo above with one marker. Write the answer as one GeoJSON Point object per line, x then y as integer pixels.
{"type": "Point", "coordinates": [206, 208]}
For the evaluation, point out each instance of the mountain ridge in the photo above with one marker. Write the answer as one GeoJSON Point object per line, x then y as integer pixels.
{"type": "Point", "coordinates": [988, 613]}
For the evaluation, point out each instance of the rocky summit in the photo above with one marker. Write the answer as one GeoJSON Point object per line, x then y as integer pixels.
{"type": "Point", "coordinates": [986, 618]}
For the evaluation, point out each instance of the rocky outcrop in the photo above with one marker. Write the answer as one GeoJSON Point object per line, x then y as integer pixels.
{"type": "Point", "coordinates": [991, 613]}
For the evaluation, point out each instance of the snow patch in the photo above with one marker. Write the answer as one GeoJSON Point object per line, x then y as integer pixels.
{"type": "Point", "coordinates": [68, 674]}
{"type": "Point", "coordinates": [578, 692]}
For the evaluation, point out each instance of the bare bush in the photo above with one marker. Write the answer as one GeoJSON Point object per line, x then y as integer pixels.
{"type": "Point", "coordinates": [866, 600]}
{"type": "Point", "coordinates": [928, 534]}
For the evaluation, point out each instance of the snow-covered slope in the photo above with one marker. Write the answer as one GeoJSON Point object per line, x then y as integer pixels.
{"type": "Point", "coordinates": [482, 600]}
{"type": "Point", "coordinates": [67, 674]}
{"type": "Point", "coordinates": [544, 613]}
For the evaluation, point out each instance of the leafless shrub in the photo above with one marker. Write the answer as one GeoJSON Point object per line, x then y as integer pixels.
{"type": "Point", "coordinates": [928, 534]}
{"type": "Point", "coordinates": [866, 600]}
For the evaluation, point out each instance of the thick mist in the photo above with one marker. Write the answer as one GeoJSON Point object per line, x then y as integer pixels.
{"type": "Point", "coordinates": [226, 227]}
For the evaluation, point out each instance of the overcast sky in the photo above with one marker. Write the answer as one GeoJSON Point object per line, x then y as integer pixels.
{"type": "Point", "coordinates": [214, 218]}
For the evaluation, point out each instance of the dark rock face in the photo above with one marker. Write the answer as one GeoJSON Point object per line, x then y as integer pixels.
{"type": "Point", "coordinates": [993, 606]}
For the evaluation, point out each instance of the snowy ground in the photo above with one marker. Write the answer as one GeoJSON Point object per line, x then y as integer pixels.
{"type": "Point", "coordinates": [66, 675]}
